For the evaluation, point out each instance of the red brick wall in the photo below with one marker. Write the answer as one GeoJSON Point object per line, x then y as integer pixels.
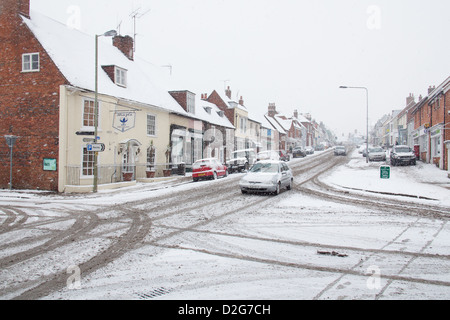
{"type": "Point", "coordinates": [29, 108]}
{"type": "Point", "coordinates": [180, 97]}
{"type": "Point", "coordinates": [217, 100]}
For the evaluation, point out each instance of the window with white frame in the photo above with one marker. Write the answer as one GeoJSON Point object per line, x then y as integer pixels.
{"type": "Point", "coordinates": [30, 62]}
{"type": "Point", "coordinates": [151, 125]}
{"type": "Point", "coordinates": [88, 113]}
{"type": "Point", "coordinates": [190, 102]}
{"type": "Point", "coordinates": [87, 169]}
{"type": "Point", "coordinates": [151, 158]}
{"type": "Point", "coordinates": [243, 125]}
{"type": "Point", "coordinates": [121, 77]}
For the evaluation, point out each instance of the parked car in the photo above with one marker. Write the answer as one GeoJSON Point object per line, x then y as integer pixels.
{"type": "Point", "coordinates": [267, 176]}
{"type": "Point", "coordinates": [402, 154]}
{"type": "Point", "coordinates": [268, 155]}
{"type": "Point", "coordinates": [284, 156]}
{"type": "Point", "coordinates": [298, 152]}
{"type": "Point", "coordinates": [319, 147]}
{"type": "Point", "coordinates": [309, 150]}
{"type": "Point", "coordinates": [340, 151]}
{"type": "Point", "coordinates": [376, 154]}
{"type": "Point", "coordinates": [209, 168]}
{"type": "Point", "coordinates": [241, 160]}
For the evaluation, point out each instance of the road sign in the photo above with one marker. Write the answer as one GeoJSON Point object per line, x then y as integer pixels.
{"type": "Point", "coordinates": [385, 172]}
{"type": "Point", "coordinates": [96, 147]}
{"type": "Point", "coordinates": [89, 140]}
{"type": "Point", "coordinates": [11, 140]}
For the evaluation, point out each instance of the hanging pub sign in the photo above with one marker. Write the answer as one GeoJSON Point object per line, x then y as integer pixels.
{"type": "Point", "coordinates": [124, 120]}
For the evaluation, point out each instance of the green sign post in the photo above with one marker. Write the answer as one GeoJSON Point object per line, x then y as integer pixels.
{"type": "Point", "coordinates": [385, 172]}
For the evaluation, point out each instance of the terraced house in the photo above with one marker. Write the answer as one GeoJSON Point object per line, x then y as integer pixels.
{"type": "Point", "coordinates": [423, 125]}
{"type": "Point", "coordinates": [48, 93]}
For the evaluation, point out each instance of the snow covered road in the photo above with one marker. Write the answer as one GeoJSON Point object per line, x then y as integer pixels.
{"type": "Point", "coordinates": [326, 239]}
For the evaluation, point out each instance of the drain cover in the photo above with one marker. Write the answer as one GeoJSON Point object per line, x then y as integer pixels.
{"type": "Point", "coordinates": [154, 293]}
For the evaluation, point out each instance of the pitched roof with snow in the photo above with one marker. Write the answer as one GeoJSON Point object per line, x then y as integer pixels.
{"type": "Point", "coordinates": [275, 124]}
{"type": "Point", "coordinates": [214, 116]}
{"type": "Point", "coordinates": [73, 52]}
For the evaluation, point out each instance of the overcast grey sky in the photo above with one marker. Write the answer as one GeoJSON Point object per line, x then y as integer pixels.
{"type": "Point", "coordinates": [289, 52]}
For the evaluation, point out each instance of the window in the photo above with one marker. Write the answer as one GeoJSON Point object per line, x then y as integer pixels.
{"type": "Point", "coordinates": [243, 125]}
{"type": "Point", "coordinates": [151, 158]}
{"type": "Point", "coordinates": [88, 113]}
{"type": "Point", "coordinates": [190, 102]}
{"type": "Point", "coordinates": [151, 125]}
{"type": "Point", "coordinates": [88, 163]}
{"type": "Point", "coordinates": [121, 77]}
{"type": "Point", "coordinates": [30, 62]}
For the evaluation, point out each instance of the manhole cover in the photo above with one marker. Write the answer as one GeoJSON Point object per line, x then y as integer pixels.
{"type": "Point", "coordinates": [154, 293]}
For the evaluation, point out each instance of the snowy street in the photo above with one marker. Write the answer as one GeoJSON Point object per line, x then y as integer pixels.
{"type": "Point", "coordinates": [341, 233]}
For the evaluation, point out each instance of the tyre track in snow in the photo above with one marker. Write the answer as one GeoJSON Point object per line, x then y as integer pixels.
{"type": "Point", "coordinates": [301, 168]}
{"type": "Point", "coordinates": [161, 208]}
{"type": "Point", "coordinates": [144, 212]}
{"type": "Point", "coordinates": [316, 188]}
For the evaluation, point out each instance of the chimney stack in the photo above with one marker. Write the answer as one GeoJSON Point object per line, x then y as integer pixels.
{"type": "Point", "coordinates": [228, 92]}
{"type": "Point", "coordinates": [241, 101]}
{"type": "Point", "coordinates": [15, 7]}
{"type": "Point", "coordinates": [410, 99]}
{"type": "Point", "coordinates": [296, 114]}
{"type": "Point", "coordinates": [272, 110]}
{"type": "Point", "coordinates": [431, 89]}
{"type": "Point", "coordinates": [125, 44]}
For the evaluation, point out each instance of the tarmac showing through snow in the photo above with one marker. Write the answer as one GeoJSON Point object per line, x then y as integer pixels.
{"type": "Point", "coordinates": [341, 233]}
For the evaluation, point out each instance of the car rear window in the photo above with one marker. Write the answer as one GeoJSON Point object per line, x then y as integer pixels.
{"type": "Point", "coordinates": [202, 163]}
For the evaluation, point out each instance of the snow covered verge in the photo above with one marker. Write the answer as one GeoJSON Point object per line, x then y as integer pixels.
{"type": "Point", "coordinates": [412, 183]}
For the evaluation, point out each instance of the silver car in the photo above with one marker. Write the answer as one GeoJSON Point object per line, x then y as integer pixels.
{"type": "Point", "coordinates": [267, 177]}
{"type": "Point", "coordinates": [376, 154]}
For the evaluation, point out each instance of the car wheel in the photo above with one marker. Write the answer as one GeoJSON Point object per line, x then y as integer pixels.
{"type": "Point", "coordinates": [277, 191]}
{"type": "Point", "coordinates": [215, 176]}
{"type": "Point", "coordinates": [243, 191]}
{"type": "Point", "coordinates": [195, 179]}
{"type": "Point", "coordinates": [226, 174]}
{"type": "Point", "coordinates": [289, 187]}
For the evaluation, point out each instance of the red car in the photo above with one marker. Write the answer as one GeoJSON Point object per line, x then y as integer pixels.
{"type": "Point", "coordinates": [208, 169]}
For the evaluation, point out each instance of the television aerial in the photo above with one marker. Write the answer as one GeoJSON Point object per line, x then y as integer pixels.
{"type": "Point", "coordinates": [136, 14]}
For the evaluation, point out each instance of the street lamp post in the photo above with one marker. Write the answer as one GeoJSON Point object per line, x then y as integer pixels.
{"type": "Point", "coordinates": [367, 126]}
{"type": "Point", "coordinates": [111, 33]}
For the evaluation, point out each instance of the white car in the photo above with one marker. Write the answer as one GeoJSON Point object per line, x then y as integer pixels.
{"type": "Point", "coordinates": [241, 160]}
{"type": "Point", "coordinates": [268, 155]}
{"type": "Point", "coordinates": [267, 176]}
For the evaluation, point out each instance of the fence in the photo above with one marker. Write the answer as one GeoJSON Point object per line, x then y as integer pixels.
{"type": "Point", "coordinates": [119, 173]}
